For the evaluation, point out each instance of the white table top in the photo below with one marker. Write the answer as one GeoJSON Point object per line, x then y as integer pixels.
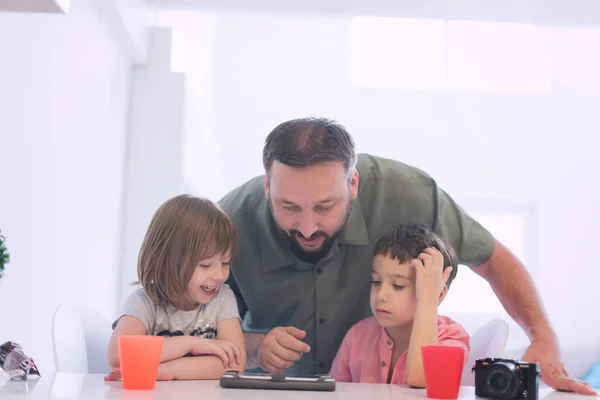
{"type": "Point", "coordinates": [92, 387]}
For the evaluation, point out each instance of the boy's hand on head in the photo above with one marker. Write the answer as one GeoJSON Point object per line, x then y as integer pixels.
{"type": "Point", "coordinates": [430, 274]}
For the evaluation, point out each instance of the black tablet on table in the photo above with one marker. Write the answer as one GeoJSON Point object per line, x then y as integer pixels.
{"type": "Point", "coordinates": [237, 380]}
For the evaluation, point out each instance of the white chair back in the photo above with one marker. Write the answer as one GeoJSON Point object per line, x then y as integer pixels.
{"type": "Point", "coordinates": [488, 341]}
{"type": "Point", "coordinates": [80, 337]}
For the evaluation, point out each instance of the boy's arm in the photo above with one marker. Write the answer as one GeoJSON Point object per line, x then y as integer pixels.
{"type": "Point", "coordinates": [424, 333]}
{"type": "Point", "coordinates": [430, 288]}
{"type": "Point", "coordinates": [340, 369]}
{"type": "Point", "coordinates": [455, 334]}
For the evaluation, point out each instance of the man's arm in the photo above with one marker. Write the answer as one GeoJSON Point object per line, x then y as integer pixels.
{"type": "Point", "coordinates": [507, 276]}
{"type": "Point", "coordinates": [277, 350]}
{"type": "Point", "coordinates": [253, 341]}
{"type": "Point", "coordinates": [515, 289]}
{"type": "Point", "coordinates": [511, 283]}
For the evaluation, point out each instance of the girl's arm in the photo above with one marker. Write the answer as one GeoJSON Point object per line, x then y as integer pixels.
{"type": "Point", "coordinates": [424, 333]}
{"type": "Point", "coordinates": [230, 330]}
{"type": "Point", "coordinates": [192, 368]}
{"type": "Point", "coordinates": [173, 347]}
{"type": "Point", "coordinates": [209, 366]}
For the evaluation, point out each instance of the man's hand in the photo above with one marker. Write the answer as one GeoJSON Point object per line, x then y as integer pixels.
{"type": "Point", "coordinates": [281, 348]}
{"type": "Point", "coordinates": [115, 375]}
{"type": "Point", "coordinates": [430, 275]}
{"type": "Point", "coordinates": [553, 371]}
{"type": "Point", "coordinates": [228, 352]}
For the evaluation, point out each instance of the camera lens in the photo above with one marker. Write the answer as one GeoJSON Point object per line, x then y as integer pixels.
{"type": "Point", "coordinates": [503, 381]}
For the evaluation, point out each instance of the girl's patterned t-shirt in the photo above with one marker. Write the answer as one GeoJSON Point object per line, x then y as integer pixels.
{"type": "Point", "coordinates": [166, 320]}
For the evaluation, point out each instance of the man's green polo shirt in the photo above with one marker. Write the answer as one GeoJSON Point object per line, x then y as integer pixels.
{"type": "Point", "coordinates": [274, 288]}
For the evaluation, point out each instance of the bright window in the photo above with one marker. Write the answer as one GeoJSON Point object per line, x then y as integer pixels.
{"type": "Point", "coordinates": [473, 56]}
{"type": "Point", "coordinates": [496, 57]}
{"type": "Point", "coordinates": [398, 52]}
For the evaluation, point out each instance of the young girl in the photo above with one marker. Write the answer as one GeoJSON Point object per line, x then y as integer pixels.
{"type": "Point", "coordinates": [412, 270]}
{"type": "Point", "coordinates": [182, 268]}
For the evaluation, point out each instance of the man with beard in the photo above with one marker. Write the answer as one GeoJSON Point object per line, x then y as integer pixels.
{"type": "Point", "coordinates": [307, 230]}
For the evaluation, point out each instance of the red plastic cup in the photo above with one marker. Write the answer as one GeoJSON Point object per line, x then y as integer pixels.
{"type": "Point", "coordinates": [443, 368]}
{"type": "Point", "coordinates": [140, 358]}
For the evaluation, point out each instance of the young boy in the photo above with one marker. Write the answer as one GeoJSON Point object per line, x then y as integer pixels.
{"type": "Point", "coordinates": [412, 271]}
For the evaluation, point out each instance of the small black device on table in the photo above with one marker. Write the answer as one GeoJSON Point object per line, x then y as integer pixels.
{"type": "Point", "coordinates": [237, 380]}
{"type": "Point", "coordinates": [504, 379]}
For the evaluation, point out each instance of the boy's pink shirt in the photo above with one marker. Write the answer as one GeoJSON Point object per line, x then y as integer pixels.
{"type": "Point", "coordinates": [366, 352]}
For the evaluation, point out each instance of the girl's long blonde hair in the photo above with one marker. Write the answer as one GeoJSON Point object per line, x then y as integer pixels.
{"type": "Point", "coordinates": [183, 231]}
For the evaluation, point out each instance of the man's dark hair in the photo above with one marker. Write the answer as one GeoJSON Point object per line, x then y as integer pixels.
{"type": "Point", "coordinates": [306, 142]}
{"type": "Point", "coordinates": [405, 242]}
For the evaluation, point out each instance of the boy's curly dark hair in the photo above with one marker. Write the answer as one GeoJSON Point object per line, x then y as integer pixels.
{"type": "Point", "coordinates": [406, 241]}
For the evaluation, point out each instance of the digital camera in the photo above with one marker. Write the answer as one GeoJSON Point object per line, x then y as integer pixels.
{"type": "Point", "coordinates": [499, 378]}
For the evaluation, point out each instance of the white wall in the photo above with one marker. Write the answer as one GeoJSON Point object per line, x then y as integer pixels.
{"type": "Point", "coordinates": [64, 88]}
{"type": "Point", "coordinates": [192, 54]}
{"type": "Point", "coordinates": [537, 149]}
{"type": "Point", "coordinates": [155, 160]}
{"type": "Point", "coordinates": [530, 11]}
{"type": "Point", "coordinates": [134, 17]}
{"type": "Point", "coordinates": [127, 22]}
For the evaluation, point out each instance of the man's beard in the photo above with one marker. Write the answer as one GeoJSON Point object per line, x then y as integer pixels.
{"type": "Point", "coordinates": [307, 255]}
